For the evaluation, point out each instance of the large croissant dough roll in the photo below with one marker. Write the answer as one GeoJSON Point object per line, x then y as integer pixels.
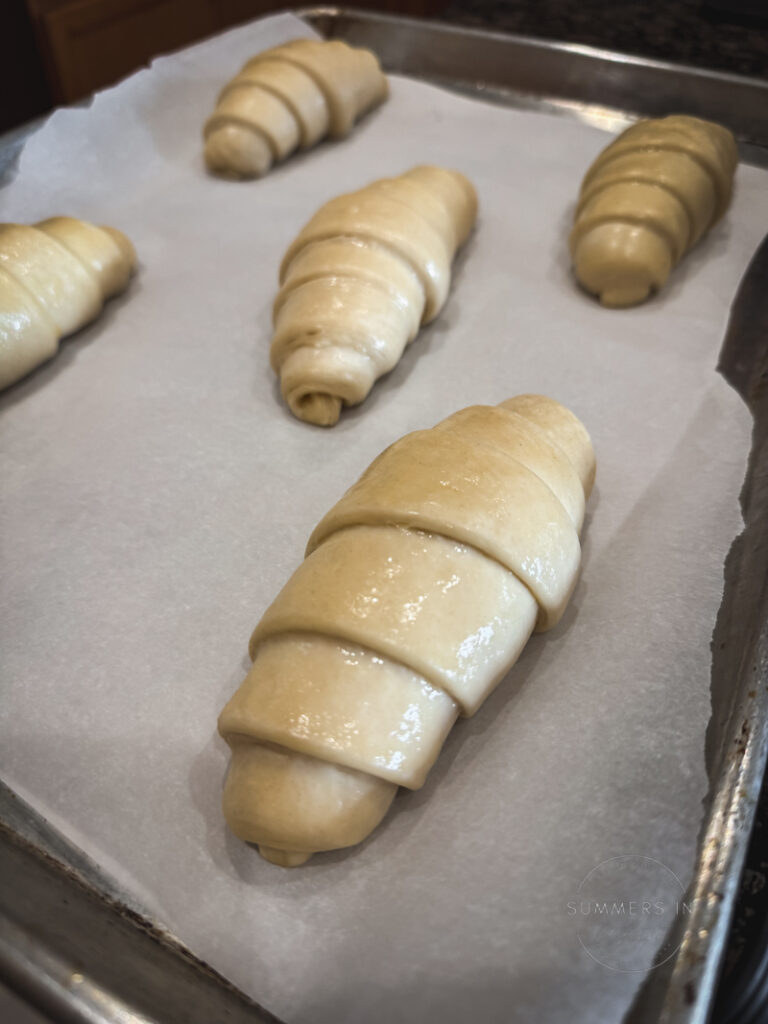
{"type": "Point", "coordinates": [364, 274]}
{"type": "Point", "coordinates": [55, 277]}
{"type": "Point", "coordinates": [419, 591]}
{"type": "Point", "coordinates": [289, 97]}
{"type": "Point", "coordinates": [646, 200]}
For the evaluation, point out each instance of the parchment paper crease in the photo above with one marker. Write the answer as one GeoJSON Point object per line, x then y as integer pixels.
{"type": "Point", "coordinates": [156, 494]}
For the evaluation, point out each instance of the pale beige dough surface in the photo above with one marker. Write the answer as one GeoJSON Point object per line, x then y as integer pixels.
{"type": "Point", "coordinates": [394, 624]}
{"type": "Point", "coordinates": [288, 97]}
{"type": "Point", "coordinates": [362, 276]}
{"type": "Point", "coordinates": [645, 201]}
{"type": "Point", "coordinates": [343, 703]}
{"type": "Point", "coordinates": [55, 276]}
{"type": "Point", "coordinates": [490, 501]}
{"type": "Point", "coordinates": [399, 592]}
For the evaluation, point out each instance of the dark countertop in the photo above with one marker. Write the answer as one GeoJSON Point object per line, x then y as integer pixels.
{"type": "Point", "coordinates": [716, 34]}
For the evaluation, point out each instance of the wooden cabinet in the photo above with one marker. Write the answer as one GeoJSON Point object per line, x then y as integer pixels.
{"type": "Point", "coordinates": [88, 44]}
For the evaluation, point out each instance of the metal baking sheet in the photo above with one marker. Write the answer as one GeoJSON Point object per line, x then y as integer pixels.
{"type": "Point", "coordinates": [600, 87]}
{"type": "Point", "coordinates": [608, 90]}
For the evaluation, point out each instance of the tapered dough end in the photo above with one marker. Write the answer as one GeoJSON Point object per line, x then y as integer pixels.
{"type": "Point", "coordinates": [317, 382]}
{"type": "Point", "coordinates": [455, 190]}
{"type": "Point", "coordinates": [28, 336]}
{"type": "Point", "coordinates": [125, 245]}
{"type": "Point", "coordinates": [320, 409]}
{"type": "Point", "coordinates": [621, 263]}
{"type": "Point", "coordinates": [564, 428]}
{"type": "Point", "coordinates": [296, 805]}
{"type": "Point", "coordinates": [234, 151]}
{"type": "Point", "coordinates": [350, 77]}
{"type": "Point", "coordinates": [106, 252]}
{"type": "Point", "coordinates": [284, 858]}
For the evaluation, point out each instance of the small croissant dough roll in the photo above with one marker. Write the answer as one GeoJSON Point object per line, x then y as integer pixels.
{"type": "Point", "coordinates": [646, 200]}
{"type": "Point", "coordinates": [361, 278]}
{"type": "Point", "coordinates": [287, 98]}
{"type": "Point", "coordinates": [55, 277]}
{"type": "Point", "coordinates": [418, 592]}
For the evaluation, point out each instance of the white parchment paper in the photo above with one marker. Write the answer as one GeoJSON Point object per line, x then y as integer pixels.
{"type": "Point", "coordinates": [156, 494]}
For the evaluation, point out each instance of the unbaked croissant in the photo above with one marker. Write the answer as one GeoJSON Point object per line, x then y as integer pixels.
{"type": "Point", "coordinates": [419, 591]}
{"type": "Point", "coordinates": [364, 274]}
{"type": "Point", "coordinates": [55, 277]}
{"type": "Point", "coordinates": [288, 97]}
{"type": "Point", "coordinates": [645, 201]}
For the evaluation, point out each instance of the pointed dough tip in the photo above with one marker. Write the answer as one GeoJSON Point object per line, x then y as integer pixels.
{"type": "Point", "coordinates": [237, 151]}
{"type": "Point", "coordinates": [284, 858]}
{"type": "Point", "coordinates": [124, 244]}
{"type": "Point", "coordinates": [621, 295]}
{"type": "Point", "coordinates": [318, 407]}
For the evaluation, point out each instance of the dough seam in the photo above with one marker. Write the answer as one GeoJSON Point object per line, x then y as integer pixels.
{"type": "Point", "coordinates": [270, 90]}
{"type": "Point", "coordinates": [350, 637]}
{"type": "Point", "coordinates": [331, 755]}
{"type": "Point", "coordinates": [75, 256]}
{"type": "Point", "coordinates": [213, 125]}
{"type": "Point", "coordinates": [499, 448]}
{"type": "Point", "coordinates": [68, 255]}
{"type": "Point", "coordinates": [305, 133]}
{"type": "Point", "coordinates": [721, 194]}
{"type": "Point", "coordinates": [583, 228]}
{"type": "Point", "coordinates": [413, 527]}
{"type": "Point", "coordinates": [639, 179]}
{"type": "Point", "coordinates": [319, 275]}
{"type": "Point", "coordinates": [330, 103]}
{"type": "Point", "coordinates": [367, 240]}
{"type": "Point", "coordinates": [422, 524]}
{"type": "Point", "coordinates": [19, 282]}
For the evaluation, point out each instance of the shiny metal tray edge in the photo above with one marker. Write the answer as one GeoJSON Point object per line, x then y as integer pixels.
{"type": "Point", "coordinates": [80, 951]}
{"type": "Point", "coordinates": [601, 87]}
{"type": "Point", "coordinates": [608, 90]}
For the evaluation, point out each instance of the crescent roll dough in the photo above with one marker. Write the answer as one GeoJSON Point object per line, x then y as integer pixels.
{"type": "Point", "coordinates": [289, 97]}
{"type": "Point", "coordinates": [646, 200]}
{"type": "Point", "coordinates": [55, 277]}
{"type": "Point", "coordinates": [363, 275]}
{"type": "Point", "coordinates": [418, 592]}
